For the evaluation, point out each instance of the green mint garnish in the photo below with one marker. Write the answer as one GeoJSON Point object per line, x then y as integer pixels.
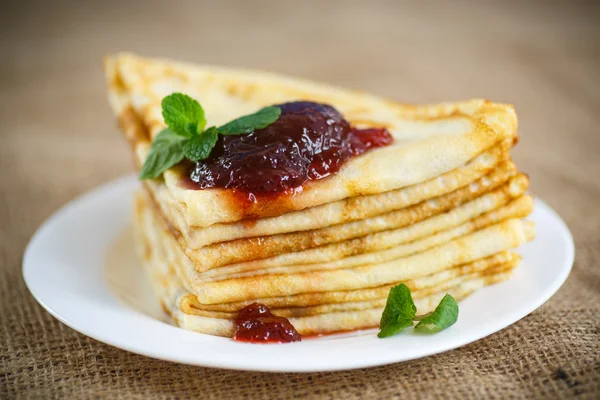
{"type": "Point", "coordinates": [444, 315]}
{"type": "Point", "coordinates": [167, 150]}
{"type": "Point", "coordinates": [400, 312]}
{"type": "Point", "coordinates": [183, 115]}
{"type": "Point", "coordinates": [198, 147]}
{"type": "Point", "coordinates": [185, 136]}
{"type": "Point", "coordinates": [249, 123]}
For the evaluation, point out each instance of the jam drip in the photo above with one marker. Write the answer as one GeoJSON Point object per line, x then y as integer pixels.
{"type": "Point", "coordinates": [255, 323]}
{"type": "Point", "coordinates": [309, 141]}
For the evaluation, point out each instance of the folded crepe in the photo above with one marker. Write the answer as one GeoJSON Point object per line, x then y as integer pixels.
{"type": "Point", "coordinates": [480, 244]}
{"type": "Point", "coordinates": [316, 313]}
{"type": "Point", "coordinates": [515, 209]}
{"type": "Point", "coordinates": [240, 250]}
{"type": "Point", "coordinates": [439, 209]}
{"type": "Point", "coordinates": [322, 259]}
{"type": "Point", "coordinates": [377, 247]}
{"type": "Point", "coordinates": [429, 140]}
{"type": "Point", "coordinates": [338, 212]}
{"type": "Point", "coordinates": [425, 285]}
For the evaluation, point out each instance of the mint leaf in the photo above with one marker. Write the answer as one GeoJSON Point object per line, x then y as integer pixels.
{"type": "Point", "coordinates": [393, 327]}
{"type": "Point", "coordinates": [166, 151]}
{"type": "Point", "coordinates": [249, 123]}
{"type": "Point", "coordinates": [183, 115]}
{"type": "Point", "coordinates": [399, 311]}
{"type": "Point", "coordinates": [444, 315]}
{"type": "Point", "coordinates": [198, 147]}
{"type": "Point", "coordinates": [185, 135]}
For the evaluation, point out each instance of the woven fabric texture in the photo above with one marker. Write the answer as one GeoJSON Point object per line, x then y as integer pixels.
{"type": "Point", "coordinates": [58, 139]}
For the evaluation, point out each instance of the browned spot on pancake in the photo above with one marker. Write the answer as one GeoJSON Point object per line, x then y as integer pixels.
{"type": "Point", "coordinates": [490, 272]}
{"type": "Point", "coordinates": [348, 209]}
{"type": "Point", "coordinates": [369, 122]}
{"type": "Point", "coordinates": [118, 84]}
{"type": "Point", "coordinates": [353, 190]}
{"type": "Point", "coordinates": [147, 252]}
{"type": "Point", "coordinates": [134, 129]}
{"type": "Point", "coordinates": [249, 223]}
{"type": "Point", "coordinates": [249, 92]}
{"type": "Point", "coordinates": [165, 308]}
{"type": "Point", "coordinates": [397, 104]}
{"type": "Point", "coordinates": [138, 206]}
{"type": "Point", "coordinates": [233, 90]}
{"type": "Point", "coordinates": [253, 206]}
{"type": "Point", "coordinates": [244, 91]}
{"type": "Point", "coordinates": [174, 73]}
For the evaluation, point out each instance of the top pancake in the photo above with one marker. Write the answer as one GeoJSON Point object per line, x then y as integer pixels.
{"type": "Point", "coordinates": [430, 140]}
{"type": "Point", "coordinates": [338, 212]}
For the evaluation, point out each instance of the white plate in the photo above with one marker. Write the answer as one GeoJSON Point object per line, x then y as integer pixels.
{"type": "Point", "coordinates": [64, 268]}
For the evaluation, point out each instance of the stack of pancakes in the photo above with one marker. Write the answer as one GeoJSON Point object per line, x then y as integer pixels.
{"type": "Point", "coordinates": [439, 210]}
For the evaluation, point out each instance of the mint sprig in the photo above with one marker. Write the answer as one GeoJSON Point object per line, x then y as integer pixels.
{"type": "Point", "coordinates": [167, 150]}
{"type": "Point", "coordinates": [444, 315]}
{"type": "Point", "coordinates": [198, 147]}
{"type": "Point", "coordinates": [185, 136]}
{"type": "Point", "coordinates": [400, 312]}
{"type": "Point", "coordinates": [249, 123]}
{"type": "Point", "coordinates": [183, 115]}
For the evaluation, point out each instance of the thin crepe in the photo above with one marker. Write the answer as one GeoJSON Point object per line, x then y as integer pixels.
{"type": "Point", "coordinates": [307, 311]}
{"type": "Point", "coordinates": [425, 285]}
{"type": "Point", "coordinates": [329, 322]}
{"type": "Point", "coordinates": [493, 239]}
{"type": "Point", "coordinates": [338, 212]}
{"type": "Point", "coordinates": [249, 249]}
{"type": "Point", "coordinates": [325, 318]}
{"type": "Point", "coordinates": [333, 258]}
{"type": "Point", "coordinates": [503, 203]}
{"type": "Point", "coordinates": [429, 140]}
{"type": "Point", "coordinates": [480, 244]}
{"type": "Point", "coordinates": [313, 313]}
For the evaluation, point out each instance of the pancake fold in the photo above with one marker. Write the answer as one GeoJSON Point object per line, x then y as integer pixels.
{"type": "Point", "coordinates": [429, 140]}
{"type": "Point", "coordinates": [442, 209]}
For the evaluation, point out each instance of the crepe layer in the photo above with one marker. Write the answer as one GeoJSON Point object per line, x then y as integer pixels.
{"type": "Point", "coordinates": [429, 140]}
{"type": "Point", "coordinates": [320, 313]}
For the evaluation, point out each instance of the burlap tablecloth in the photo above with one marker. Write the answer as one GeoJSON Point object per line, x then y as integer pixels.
{"type": "Point", "coordinates": [59, 139]}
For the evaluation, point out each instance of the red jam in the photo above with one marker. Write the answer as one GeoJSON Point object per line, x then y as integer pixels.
{"type": "Point", "coordinates": [309, 141]}
{"type": "Point", "coordinates": [256, 324]}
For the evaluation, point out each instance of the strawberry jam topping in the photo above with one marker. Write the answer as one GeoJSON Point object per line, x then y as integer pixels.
{"type": "Point", "coordinates": [256, 324]}
{"type": "Point", "coordinates": [309, 141]}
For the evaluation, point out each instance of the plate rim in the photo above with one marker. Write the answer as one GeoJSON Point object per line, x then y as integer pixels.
{"type": "Point", "coordinates": [130, 181]}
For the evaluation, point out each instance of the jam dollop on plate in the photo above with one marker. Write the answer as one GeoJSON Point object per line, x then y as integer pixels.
{"type": "Point", "coordinates": [309, 141]}
{"type": "Point", "coordinates": [256, 324]}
